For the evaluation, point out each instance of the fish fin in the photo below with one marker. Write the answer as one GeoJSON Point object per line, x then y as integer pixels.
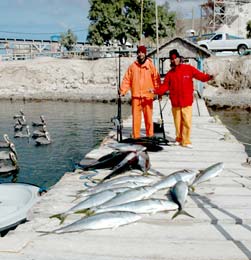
{"type": "Point", "coordinates": [192, 188]}
{"type": "Point", "coordinates": [87, 212]}
{"type": "Point", "coordinates": [95, 180]}
{"type": "Point", "coordinates": [181, 212]}
{"type": "Point", "coordinates": [59, 216]}
{"type": "Point", "coordinates": [87, 185]}
{"type": "Point", "coordinates": [76, 198]}
{"type": "Point", "coordinates": [45, 233]}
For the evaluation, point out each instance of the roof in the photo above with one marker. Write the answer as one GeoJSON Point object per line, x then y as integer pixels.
{"type": "Point", "coordinates": [185, 47]}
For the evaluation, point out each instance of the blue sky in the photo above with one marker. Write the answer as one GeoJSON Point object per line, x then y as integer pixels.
{"type": "Point", "coordinates": [39, 19]}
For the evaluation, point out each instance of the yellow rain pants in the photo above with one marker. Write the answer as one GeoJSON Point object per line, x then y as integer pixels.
{"type": "Point", "coordinates": [140, 105]}
{"type": "Point", "coordinates": [183, 122]}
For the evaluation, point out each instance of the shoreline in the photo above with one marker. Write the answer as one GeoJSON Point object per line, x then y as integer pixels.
{"type": "Point", "coordinates": [74, 80]}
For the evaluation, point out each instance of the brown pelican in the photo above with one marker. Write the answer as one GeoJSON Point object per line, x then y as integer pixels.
{"type": "Point", "coordinates": [23, 120]}
{"type": "Point", "coordinates": [42, 123]}
{"type": "Point", "coordinates": [6, 168]}
{"type": "Point", "coordinates": [4, 155]}
{"type": "Point", "coordinates": [19, 115]}
{"type": "Point", "coordinates": [43, 140]}
{"type": "Point", "coordinates": [6, 142]}
{"type": "Point", "coordinates": [39, 133]}
{"type": "Point", "coordinates": [20, 134]}
{"type": "Point", "coordinates": [18, 125]}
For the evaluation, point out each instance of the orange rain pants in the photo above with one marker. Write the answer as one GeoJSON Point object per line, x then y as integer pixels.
{"type": "Point", "coordinates": [140, 105]}
{"type": "Point", "coordinates": [183, 122]}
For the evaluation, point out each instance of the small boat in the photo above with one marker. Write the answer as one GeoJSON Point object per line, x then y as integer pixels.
{"type": "Point", "coordinates": [16, 199]}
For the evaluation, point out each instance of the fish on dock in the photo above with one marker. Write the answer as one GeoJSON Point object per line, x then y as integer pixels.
{"type": "Point", "coordinates": [209, 173]}
{"type": "Point", "coordinates": [121, 181]}
{"type": "Point", "coordinates": [104, 220]}
{"type": "Point", "coordinates": [92, 201]}
{"type": "Point", "coordinates": [179, 194]}
{"type": "Point", "coordinates": [106, 161]}
{"type": "Point", "coordinates": [146, 206]}
{"type": "Point", "coordinates": [182, 175]}
{"type": "Point", "coordinates": [138, 193]}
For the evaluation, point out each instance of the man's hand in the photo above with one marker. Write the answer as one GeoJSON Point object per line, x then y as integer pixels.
{"type": "Point", "coordinates": [159, 97]}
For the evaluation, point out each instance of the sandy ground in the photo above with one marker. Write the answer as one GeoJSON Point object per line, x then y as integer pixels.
{"type": "Point", "coordinates": [87, 80]}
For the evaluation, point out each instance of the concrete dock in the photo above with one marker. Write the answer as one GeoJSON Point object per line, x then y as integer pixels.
{"type": "Point", "coordinates": [220, 229]}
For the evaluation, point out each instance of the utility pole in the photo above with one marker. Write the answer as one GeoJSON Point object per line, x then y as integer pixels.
{"type": "Point", "coordinates": [141, 22]}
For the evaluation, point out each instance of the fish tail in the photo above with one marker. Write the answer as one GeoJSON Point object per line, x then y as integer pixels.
{"type": "Point", "coordinates": [60, 216]}
{"type": "Point", "coordinates": [181, 212]}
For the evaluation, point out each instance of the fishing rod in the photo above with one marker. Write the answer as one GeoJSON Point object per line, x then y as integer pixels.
{"type": "Point", "coordinates": [165, 141]}
{"type": "Point", "coordinates": [117, 120]}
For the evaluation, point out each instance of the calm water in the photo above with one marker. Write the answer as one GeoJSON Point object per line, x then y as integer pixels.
{"type": "Point", "coordinates": [75, 128]}
{"type": "Point", "coordinates": [239, 124]}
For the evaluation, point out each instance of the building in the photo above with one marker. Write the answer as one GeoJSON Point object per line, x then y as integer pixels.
{"type": "Point", "coordinates": [191, 53]}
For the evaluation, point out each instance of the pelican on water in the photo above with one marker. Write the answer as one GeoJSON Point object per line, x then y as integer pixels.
{"type": "Point", "coordinates": [43, 140]}
{"type": "Point", "coordinates": [18, 125]}
{"type": "Point", "coordinates": [19, 115]}
{"type": "Point", "coordinates": [41, 123]}
{"type": "Point", "coordinates": [6, 142]}
{"type": "Point", "coordinates": [20, 134]}
{"type": "Point", "coordinates": [7, 168]}
{"type": "Point", "coordinates": [4, 155]}
{"type": "Point", "coordinates": [39, 133]}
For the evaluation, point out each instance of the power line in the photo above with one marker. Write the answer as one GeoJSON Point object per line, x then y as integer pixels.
{"type": "Point", "coordinates": [41, 33]}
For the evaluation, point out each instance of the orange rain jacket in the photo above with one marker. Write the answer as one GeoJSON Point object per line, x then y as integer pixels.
{"type": "Point", "coordinates": [179, 82]}
{"type": "Point", "coordinates": [140, 81]}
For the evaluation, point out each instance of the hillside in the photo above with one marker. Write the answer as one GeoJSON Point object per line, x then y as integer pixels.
{"type": "Point", "coordinates": [85, 80]}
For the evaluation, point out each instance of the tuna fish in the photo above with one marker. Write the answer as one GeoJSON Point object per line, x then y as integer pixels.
{"type": "Point", "coordinates": [99, 221]}
{"type": "Point", "coordinates": [106, 161]}
{"type": "Point", "coordinates": [208, 173]}
{"type": "Point", "coordinates": [92, 201]}
{"type": "Point", "coordinates": [130, 195]}
{"type": "Point", "coordinates": [172, 179]}
{"type": "Point", "coordinates": [147, 206]}
{"type": "Point", "coordinates": [179, 194]}
{"type": "Point", "coordinates": [119, 181]}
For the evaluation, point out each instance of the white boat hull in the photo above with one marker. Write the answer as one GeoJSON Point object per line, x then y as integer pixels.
{"type": "Point", "coordinates": [16, 199]}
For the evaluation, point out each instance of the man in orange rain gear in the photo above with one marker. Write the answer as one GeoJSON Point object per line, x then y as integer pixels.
{"type": "Point", "coordinates": [179, 82]}
{"type": "Point", "coordinates": [141, 78]}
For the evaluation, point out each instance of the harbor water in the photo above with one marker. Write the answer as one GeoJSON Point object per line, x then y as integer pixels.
{"type": "Point", "coordinates": [75, 129]}
{"type": "Point", "coordinates": [238, 123]}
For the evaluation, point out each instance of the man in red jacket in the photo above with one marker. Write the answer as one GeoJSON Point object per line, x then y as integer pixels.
{"type": "Point", "coordinates": [179, 82]}
{"type": "Point", "coordinates": [141, 78]}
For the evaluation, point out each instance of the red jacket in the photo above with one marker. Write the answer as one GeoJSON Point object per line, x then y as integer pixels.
{"type": "Point", "coordinates": [179, 82]}
{"type": "Point", "coordinates": [140, 79]}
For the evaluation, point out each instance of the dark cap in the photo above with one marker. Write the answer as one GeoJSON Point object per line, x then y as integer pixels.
{"type": "Point", "coordinates": [141, 48]}
{"type": "Point", "coordinates": [174, 54]}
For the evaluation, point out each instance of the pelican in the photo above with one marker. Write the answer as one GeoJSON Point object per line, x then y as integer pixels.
{"type": "Point", "coordinates": [23, 120]}
{"type": "Point", "coordinates": [4, 155]}
{"type": "Point", "coordinates": [21, 134]}
{"type": "Point", "coordinates": [18, 126]}
{"type": "Point", "coordinates": [42, 123]}
{"type": "Point", "coordinates": [43, 140]}
{"type": "Point", "coordinates": [6, 168]}
{"type": "Point", "coordinates": [6, 142]}
{"type": "Point", "coordinates": [39, 133]}
{"type": "Point", "coordinates": [19, 115]}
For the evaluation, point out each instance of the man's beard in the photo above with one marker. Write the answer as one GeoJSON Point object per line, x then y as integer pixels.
{"type": "Point", "coordinates": [141, 61]}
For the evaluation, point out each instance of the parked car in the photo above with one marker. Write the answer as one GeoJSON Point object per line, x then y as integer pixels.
{"type": "Point", "coordinates": [226, 42]}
